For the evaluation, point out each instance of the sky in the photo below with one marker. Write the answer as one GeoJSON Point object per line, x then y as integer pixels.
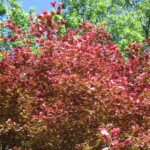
{"type": "Point", "coordinates": [39, 5]}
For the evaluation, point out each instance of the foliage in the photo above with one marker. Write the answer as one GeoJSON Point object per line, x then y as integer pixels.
{"type": "Point", "coordinates": [79, 93]}
{"type": "Point", "coordinates": [126, 20]}
{"type": "Point", "coordinates": [2, 9]}
{"type": "Point", "coordinates": [14, 12]}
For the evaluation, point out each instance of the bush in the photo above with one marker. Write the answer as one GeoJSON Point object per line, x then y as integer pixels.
{"type": "Point", "coordinates": [78, 93]}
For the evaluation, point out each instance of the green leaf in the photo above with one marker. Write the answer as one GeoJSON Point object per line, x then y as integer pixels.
{"type": "Point", "coordinates": [104, 117]}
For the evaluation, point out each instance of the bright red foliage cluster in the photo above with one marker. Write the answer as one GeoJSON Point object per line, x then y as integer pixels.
{"type": "Point", "coordinates": [79, 93]}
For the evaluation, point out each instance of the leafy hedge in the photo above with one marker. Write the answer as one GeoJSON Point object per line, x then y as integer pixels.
{"type": "Point", "coordinates": [78, 93]}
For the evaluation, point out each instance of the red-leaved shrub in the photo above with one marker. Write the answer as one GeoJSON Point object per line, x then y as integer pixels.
{"type": "Point", "coordinates": [78, 94]}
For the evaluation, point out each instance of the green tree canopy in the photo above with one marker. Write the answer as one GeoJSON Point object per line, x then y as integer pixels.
{"type": "Point", "coordinates": [126, 19]}
{"type": "Point", "coordinates": [11, 9]}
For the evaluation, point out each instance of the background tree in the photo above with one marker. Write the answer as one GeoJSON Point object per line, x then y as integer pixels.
{"type": "Point", "coordinates": [2, 8]}
{"type": "Point", "coordinates": [11, 9]}
{"type": "Point", "coordinates": [126, 19]}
